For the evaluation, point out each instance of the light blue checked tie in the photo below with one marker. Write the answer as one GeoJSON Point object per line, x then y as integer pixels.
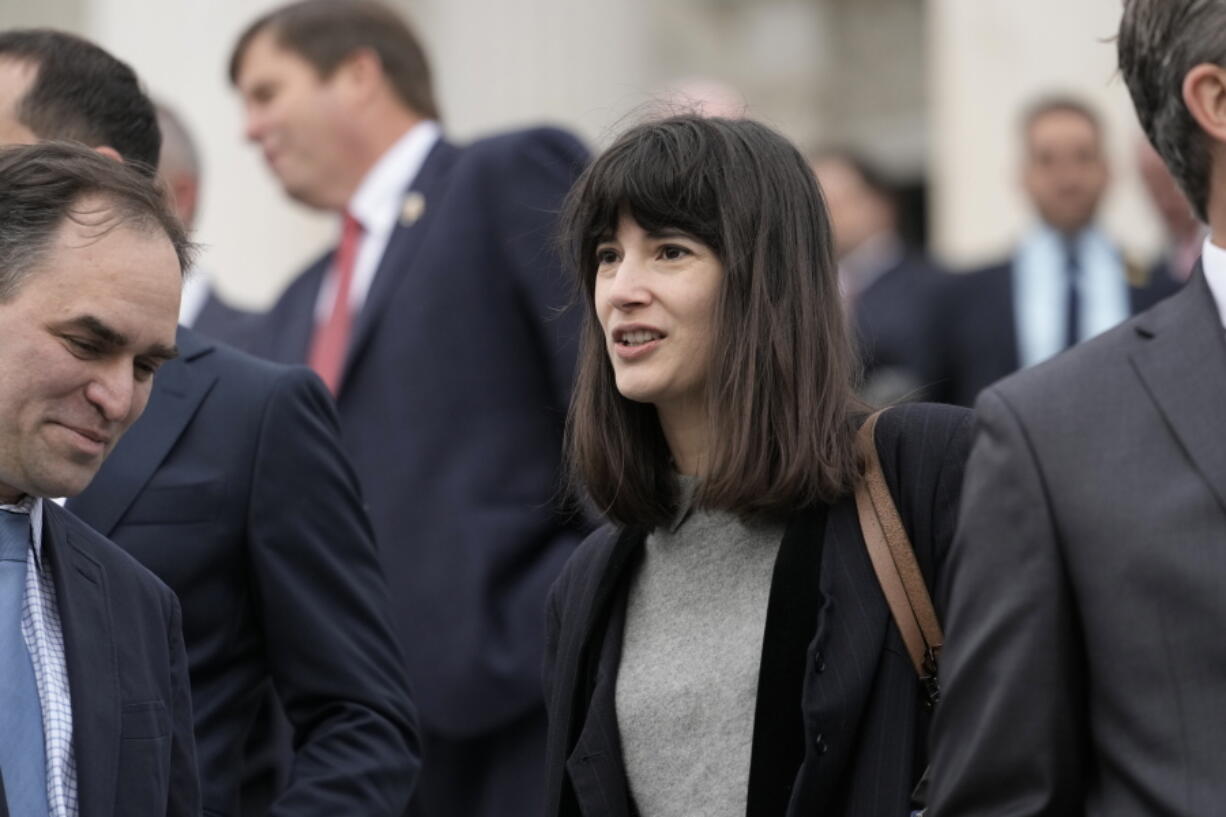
{"type": "Point", "coordinates": [22, 759]}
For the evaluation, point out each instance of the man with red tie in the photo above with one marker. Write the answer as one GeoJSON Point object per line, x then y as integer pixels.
{"type": "Point", "coordinates": [439, 324]}
{"type": "Point", "coordinates": [233, 489]}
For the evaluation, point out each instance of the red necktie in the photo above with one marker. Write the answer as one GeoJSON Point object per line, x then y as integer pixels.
{"type": "Point", "coordinates": [331, 339]}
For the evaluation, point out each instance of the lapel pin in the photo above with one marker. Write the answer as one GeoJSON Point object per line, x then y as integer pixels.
{"type": "Point", "coordinates": [412, 208]}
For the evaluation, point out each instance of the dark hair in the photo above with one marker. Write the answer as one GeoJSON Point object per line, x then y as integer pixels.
{"type": "Point", "coordinates": [1058, 103]}
{"type": "Point", "coordinates": [43, 184]}
{"type": "Point", "coordinates": [1159, 42]}
{"type": "Point", "coordinates": [326, 32]}
{"type": "Point", "coordinates": [82, 93]}
{"type": "Point", "coordinates": [780, 394]}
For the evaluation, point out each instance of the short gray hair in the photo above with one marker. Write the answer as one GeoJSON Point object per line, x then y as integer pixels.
{"type": "Point", "coordinates": [43, 184]}
{"type": "Point", "coordinates": [1159, 42]}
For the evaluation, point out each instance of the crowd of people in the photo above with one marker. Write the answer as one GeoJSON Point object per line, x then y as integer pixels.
{"type": "Point", "coordinates": [562, 485]}
{"type": "Point", "coordinates": [927, 333]}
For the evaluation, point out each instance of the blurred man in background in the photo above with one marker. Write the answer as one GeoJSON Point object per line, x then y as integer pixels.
{"type": "Point", "coordinates": [179, 168]}
{"type": "Point", "coordinates": [438, 324]}
{"type": "Point", "coordinates": [233, 489]}
{"type": "Point", "coordinates": [887, 285]}
{"type": "Point", "coordinates": [1065, 282]}
{"type": "Point", "coordinates": [1184, 233]}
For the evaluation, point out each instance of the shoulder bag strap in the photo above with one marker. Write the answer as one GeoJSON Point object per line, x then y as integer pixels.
{"type": "Point", "coordinates": [894, 562]}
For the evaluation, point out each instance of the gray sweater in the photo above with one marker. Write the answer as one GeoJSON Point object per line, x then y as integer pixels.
{"type": "Point", "coordinates": [688, 679]}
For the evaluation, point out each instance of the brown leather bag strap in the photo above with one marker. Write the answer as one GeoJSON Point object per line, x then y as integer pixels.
{"type": "Point", "coordinates": [893, 560]}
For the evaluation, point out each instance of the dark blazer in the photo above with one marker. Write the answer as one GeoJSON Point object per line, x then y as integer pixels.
{"type": "Point", "coordinates": [127, 676]}
{"type": "Point", "coordinates": [232, 487]}
{"type": "Point", "coordinates": [452, 406]}
{"type": "Point", "coordinates": [974, 329]}
{"type": "Point", "coordinates": [1083, 673]}
{"type": "Point", "coordinates": [890, 321]}
{"type": "Point", "coordinates": [861, 746]}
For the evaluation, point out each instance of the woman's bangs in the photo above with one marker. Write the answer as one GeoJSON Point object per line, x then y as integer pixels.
{"type": "Point", "coordinates": [658, 191]}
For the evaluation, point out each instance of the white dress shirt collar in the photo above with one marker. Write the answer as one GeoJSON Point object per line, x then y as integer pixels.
{"type": "Point", "coordinates": [1040, 290]}
{"type": "Point", "coordinates": [376, 203]}
{"type": "Point", "coordinates": [1213, 260]}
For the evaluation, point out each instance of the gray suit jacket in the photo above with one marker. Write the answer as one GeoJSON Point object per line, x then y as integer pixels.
{"type": "Point", "coordinates": [1085, 667]}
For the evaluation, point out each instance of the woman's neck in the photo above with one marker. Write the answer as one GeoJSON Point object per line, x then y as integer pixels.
{"type": "Point", "coordinates": [687, 432]}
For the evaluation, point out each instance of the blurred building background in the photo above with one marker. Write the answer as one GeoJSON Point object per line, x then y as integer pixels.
{"type": "Point", "coordinates": [929, 89]}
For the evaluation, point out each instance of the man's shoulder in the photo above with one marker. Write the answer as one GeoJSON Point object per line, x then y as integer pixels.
{"type": "Point", "coordinates": [245, 387]}
{"type": "Point", "coordinates": [984, 276]}
{"type": "Point", "coordinates": [259, 377]}
{"type": "Point", "coordinates": [1084, 378]}
{"type": "Point", "coordinates": [543, 140]}
{"type": "Point", "coordinates": [513, 162]}
{"type": "Point", "coordinates": [972, 288]}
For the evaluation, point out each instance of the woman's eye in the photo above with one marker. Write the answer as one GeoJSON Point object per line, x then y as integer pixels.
{"type": "Point", "coordinates": [606, 257]}
{"type": "Point", "coordinates": [671, 252]}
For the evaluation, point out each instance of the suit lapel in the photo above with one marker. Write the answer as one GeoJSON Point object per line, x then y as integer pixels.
{"type": "Point", "coordinates": [93, 676]}
{"type": "Point", "coordinates": [1182, 361]}
{"type": "Point", "coordinates": [423, 198]}
{"type": "Point", "coordinates": [178, 390]}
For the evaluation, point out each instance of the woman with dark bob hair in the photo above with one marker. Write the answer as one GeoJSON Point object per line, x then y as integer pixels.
{"type": "Point", "coordinates": [722, 646]}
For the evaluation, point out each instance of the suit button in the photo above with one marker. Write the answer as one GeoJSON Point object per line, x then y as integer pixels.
{"type": "Point", "coordinates": [819, 662]}
{"type": "Point", "coordinates": [820, 745]}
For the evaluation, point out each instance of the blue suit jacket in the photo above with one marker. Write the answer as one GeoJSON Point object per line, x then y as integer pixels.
{"type": "Point", "coordinates": [232, 488]}
{"type": "Point", "coordinates": [452, 406]}
{"type": "Point", "coordinates": [127, 675]}
{"type": "Point", "coordinates": [974, 329]}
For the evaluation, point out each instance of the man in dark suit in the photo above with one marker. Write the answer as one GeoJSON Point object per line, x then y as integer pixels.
{"type": "Point", "coordinates": [95, 709]}
{"type": "Point", "coordinates": [887, 285]}
{"type": "Point", "coordinates": [1065, 282]}
{"type": "Point", "coordinates": [438, 324]}
{"type": "Point", "coordinates": [233, 488]}
{"type": "Point", "coordinates": [1084, 661]}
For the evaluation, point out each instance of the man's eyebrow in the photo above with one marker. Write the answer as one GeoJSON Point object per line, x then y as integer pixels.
{"type": "Point", "coordinates": [163, 353]}
{"type": "Point", "coordinates": [114, 338]}
{"type": "Point", "coordinates": [100, 331]}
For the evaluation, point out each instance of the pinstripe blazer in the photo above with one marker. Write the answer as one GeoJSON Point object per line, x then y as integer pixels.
{"type": "Point", "coordinates": [863, 731]}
